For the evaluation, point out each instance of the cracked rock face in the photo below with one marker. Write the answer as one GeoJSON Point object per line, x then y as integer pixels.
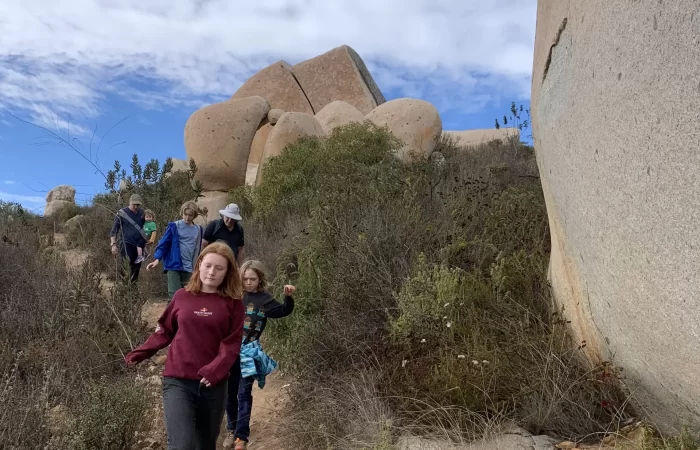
{"type": "Point", "coordinates": [339, 74]}
{"type": "Point", "coordinates": [278, 85]}
{"type": "Point", "coordinates": [613, 90]}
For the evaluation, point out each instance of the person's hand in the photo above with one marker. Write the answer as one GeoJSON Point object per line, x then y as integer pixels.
{"type": "Point", "coordinates": [114, 249]}
{"type": "Point", "coordinates": [289, 290]}
{"type": "Point", "coordinates": [152, 265]}
{"type": "Point", "coordinates": [205, 382]}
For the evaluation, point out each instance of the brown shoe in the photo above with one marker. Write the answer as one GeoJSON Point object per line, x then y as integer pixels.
{"type": "Point", "coordinates": [230, 440]}
{"type": "Point", "coordinates": [241, 445]}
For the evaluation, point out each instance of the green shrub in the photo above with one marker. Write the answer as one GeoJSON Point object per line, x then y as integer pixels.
{"type": "Point", "coordinates": [409, 277]}
{"type": "Point", "coordinates": [114, 412]}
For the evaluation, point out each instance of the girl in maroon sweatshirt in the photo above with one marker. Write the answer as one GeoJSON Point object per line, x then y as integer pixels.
{"type": "Point", "coordinates": [203, 325]}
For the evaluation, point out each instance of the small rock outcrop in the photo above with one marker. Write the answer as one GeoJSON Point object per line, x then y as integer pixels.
{"type": "Point", "coordinates": [276, 83]}
{"type": "Point", "coordinates": [274, 115]}
{"type": "Point", "coordinates": [339, 74]}
{"type": "Point", "coordinates": [338, 113]}
{"type": "Point", "coordinates": [219, 138]}
{"type": "Point", "coordinates": [179, 165]}
{"type": "Point", "coordinates": [291, 127]}
{"type": "Point", "coordinates": [478, 137]}
{"type": "Point", "coordinates": [74, 222]}
{"type": "Point", "coordinates": [416, 122]}
{"type": "Point", "coordinates": [59, 198]}
{"type": "Point", "coordinates": [213, 201]}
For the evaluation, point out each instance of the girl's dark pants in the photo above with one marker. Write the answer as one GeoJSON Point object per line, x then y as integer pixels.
{"type": "Point", "coordinates": [193, 413]}
{"type": "Point", "coordinates": [239, 402]}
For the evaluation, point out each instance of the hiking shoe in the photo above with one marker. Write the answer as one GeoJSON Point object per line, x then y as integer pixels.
{"type": "Point", "coordinates": [241, 445]}
{"type": "Point", "coordinates": [140, 259]}
{"type": "Point", "coordinates": [230, 440]}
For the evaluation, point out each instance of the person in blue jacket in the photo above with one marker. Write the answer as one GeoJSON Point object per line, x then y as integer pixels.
{"type": "Point", "coordinates": [179, 248]}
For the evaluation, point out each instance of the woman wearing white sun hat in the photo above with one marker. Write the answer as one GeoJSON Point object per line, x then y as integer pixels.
{"type": "Point", "coordinates": [227, 229]}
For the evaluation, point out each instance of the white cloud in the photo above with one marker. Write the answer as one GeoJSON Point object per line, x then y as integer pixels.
{"type": "Point", "coordinates": [58, 60]}
{"type": "Point", "coordinates": [25, 200]}
{"type": "Point", "coordinates": [8, 182]}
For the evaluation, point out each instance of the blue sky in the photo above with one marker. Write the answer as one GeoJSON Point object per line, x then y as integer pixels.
{"type": "Point", "coordinates": [85, 65]}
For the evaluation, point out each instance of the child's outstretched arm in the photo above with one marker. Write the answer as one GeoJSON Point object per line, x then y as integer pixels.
{"type": "Point", "coordinates": [276, 310]}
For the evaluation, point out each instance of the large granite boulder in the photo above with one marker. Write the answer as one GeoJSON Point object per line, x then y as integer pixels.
{"type": "Point", "coordinates": [58, 198]}
{"type": "Point", "coordinates": [256, 150]}
{"type": "Point", "coordinates": [339, 74]}
{"type": "Point", "coordinates": [614, 91]}
{"type": "Point", "coordinates": [63, 192]}
{"type": "Point", "coordinates": [337, 114]}
{"type": "Point", "coordinates": [291, 127]}
{"type": "Point", "coordinates": [276, 84]}
{"type": "Point", "coordinates": [416, 122]}
{"type": "Point", "coordinates": [219, 138]}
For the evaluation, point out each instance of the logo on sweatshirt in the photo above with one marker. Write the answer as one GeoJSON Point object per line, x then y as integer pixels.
{"type": "Point", "coordinates": [204, 312]}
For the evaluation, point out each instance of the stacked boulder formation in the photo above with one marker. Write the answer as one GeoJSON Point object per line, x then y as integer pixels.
{"type": "Point", "coordinates": [232, 140]}
{"type": "Point", "coordinates": [59, 198]}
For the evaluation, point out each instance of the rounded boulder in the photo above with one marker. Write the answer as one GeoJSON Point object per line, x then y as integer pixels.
{"type": "Point", "coordinates": [291, 127]}
{"type": "Point", "coordinates": [338, 113]}
{"type": "Point", "coordinates": [63, 192]}
{"type": "Point", "coordinates": [416, 122]}
{"type": "Point", "coordinates": [218, 137]}
{"type": "Point", "coordinates": [274, 115]}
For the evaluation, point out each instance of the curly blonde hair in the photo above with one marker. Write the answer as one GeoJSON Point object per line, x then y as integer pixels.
{"type": "Point", "coordinates": [259, 269]}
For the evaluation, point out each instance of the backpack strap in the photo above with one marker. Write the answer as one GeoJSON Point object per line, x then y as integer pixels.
{"type": "Point", "coordinates": [125, 216]}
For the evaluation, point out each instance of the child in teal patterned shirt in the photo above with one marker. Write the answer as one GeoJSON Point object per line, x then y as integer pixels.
{"type": "Point", "coordinates": [150, 228]}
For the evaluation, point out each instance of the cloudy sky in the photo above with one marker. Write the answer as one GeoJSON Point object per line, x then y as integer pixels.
{"type": "Point", "coordinates": [78, 67]}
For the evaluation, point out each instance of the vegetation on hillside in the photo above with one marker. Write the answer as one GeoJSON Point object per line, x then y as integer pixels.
{"type": "Point", "coordinates": [63, 384]}
{"type": "Point", "coordinates": [422, 304]}
{"type": "Point", "coordinates": [422, 295]}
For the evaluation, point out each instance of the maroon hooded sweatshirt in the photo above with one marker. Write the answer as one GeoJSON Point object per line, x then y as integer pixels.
{"type": "Point", "coordinates": [204, 332]}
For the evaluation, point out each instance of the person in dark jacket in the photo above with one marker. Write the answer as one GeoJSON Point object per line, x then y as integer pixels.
{"type": "Point", "coordinates": [228, 229]}
{"type": "Point", "coordinates": [179, 248]}
{"type": "Point", "coordinates": [129, 221]}
{"type": "Point", "coordinates": [203, 327]}
{"type": "Point", "coordinates": [260, 306]}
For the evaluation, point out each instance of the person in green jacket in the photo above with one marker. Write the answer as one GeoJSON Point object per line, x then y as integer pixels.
{"type": "Point", "coordinates": [149, 227]}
